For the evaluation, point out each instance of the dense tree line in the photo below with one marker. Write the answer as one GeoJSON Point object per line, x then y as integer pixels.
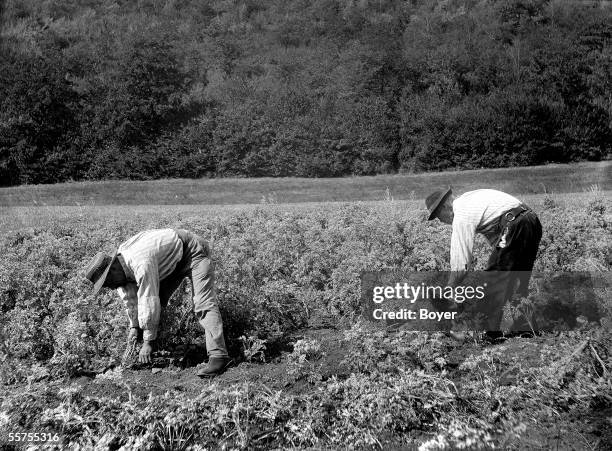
{"type": "Point", "coordinates": [97, 89]}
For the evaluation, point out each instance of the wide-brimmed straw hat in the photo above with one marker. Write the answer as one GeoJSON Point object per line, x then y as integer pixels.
{"type": "Point", "coordinates": [98, 268]}
{"type": "Point", "coordinates": [434, 200]}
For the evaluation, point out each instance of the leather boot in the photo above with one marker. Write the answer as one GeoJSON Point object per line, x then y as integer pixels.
{"type": "Point", "coordinates": [215, 366]}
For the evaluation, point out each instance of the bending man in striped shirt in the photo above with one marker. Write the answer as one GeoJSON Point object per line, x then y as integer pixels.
{"type": "Point", "coordinates": [513, 230]}
{"type": "Point", "coordinates": [146, 270]}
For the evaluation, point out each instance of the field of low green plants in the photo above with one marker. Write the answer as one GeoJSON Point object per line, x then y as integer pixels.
{"type": "Point", "coordinates": [282, 273]}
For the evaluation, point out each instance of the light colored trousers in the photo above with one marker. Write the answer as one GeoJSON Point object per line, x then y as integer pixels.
{"type": "Point", "coordinates": [197, 265]}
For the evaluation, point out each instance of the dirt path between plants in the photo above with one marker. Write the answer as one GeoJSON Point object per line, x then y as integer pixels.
{"type": "Point", "coordinates": [159, 380]}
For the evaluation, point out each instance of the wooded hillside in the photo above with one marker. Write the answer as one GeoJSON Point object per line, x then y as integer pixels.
{"type": "Point", "coordinates": [99, 89]}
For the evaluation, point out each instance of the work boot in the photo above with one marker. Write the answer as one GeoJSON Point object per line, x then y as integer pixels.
{"type": "Point", "coordinates": [215, 366]}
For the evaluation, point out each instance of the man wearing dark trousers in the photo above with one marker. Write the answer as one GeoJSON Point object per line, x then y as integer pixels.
{"type": "Point", "coordinates": [513, 230]}
{"type": "Point", "coordinates": [146, 270]}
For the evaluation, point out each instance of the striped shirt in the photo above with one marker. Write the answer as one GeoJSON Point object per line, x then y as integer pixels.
{"type": "Point", "coordinates": [474, 212]}
{"type": "Point", "coordinates": [148, 257]}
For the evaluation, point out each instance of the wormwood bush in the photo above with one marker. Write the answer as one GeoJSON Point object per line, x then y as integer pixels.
{"type": "Point", "coordinates": [253, 348]}
{"type": "Point", "coordinates": [302, 361]}
{"type": "Point", "coordinates": [47, 315]}
{"type": "Point", "coordinates": [276, 271]}
{"type": "Point", "coordinates": [576, 239]}
{"type": "Point", "coordinates": [371, 349]}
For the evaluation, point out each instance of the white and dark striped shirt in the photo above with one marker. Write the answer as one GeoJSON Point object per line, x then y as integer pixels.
{"type": "Point", "coordinates": [148, 257]}
{"type": "Point", "coordinates": [474, 212]}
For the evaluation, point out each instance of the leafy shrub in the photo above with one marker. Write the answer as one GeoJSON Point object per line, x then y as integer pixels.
{"type": "Point", "coordinates": [37, 119]}
{"type": "Point", "coordinates": [143, 91]}
{"type": "Point", "coordinates": [277, 272]}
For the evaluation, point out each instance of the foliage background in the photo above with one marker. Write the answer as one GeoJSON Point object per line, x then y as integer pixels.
{"type": "Point", "coordinates": [102, 89]}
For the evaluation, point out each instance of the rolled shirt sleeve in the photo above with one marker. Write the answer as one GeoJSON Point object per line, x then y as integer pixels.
{"type": "Point", "coordinates": [147, 278]}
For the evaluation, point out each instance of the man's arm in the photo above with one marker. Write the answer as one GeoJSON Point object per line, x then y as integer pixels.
{"type": "Point", "coordinates": [129, 296]}
{"type": "Point", "coordinates": [462, 243]}
{"type": "Point", "coordinates": [149, 308]}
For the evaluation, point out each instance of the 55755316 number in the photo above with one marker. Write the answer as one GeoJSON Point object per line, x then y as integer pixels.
{"type": "Point", "coordinates": [33, 437]}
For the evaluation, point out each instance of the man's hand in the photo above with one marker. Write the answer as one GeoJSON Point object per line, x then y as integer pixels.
{"type": "Point", "coordinates": [135, 334]}
{"type": "Point", "coordinates": [144, 356]}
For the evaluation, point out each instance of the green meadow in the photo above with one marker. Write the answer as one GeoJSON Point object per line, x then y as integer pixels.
{"type": "Point", "coordinates": [551, 179]}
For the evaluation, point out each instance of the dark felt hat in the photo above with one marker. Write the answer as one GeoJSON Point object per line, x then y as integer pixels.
{"type": "Point", "coordinates": [98, 268]}
{"type": "Point", "coordinates": [434, 200]}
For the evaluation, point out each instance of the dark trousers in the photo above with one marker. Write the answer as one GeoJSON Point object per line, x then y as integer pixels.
{"type": "Point", "coordinates": [511, 265]}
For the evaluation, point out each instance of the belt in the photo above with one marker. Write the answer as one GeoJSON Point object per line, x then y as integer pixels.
{"type": "Point", "coordinates": [507, 218]}
{"type": "Point", "coordinates": [511, 215]}
{"type": "Point", "coordinates": [504, 223]}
